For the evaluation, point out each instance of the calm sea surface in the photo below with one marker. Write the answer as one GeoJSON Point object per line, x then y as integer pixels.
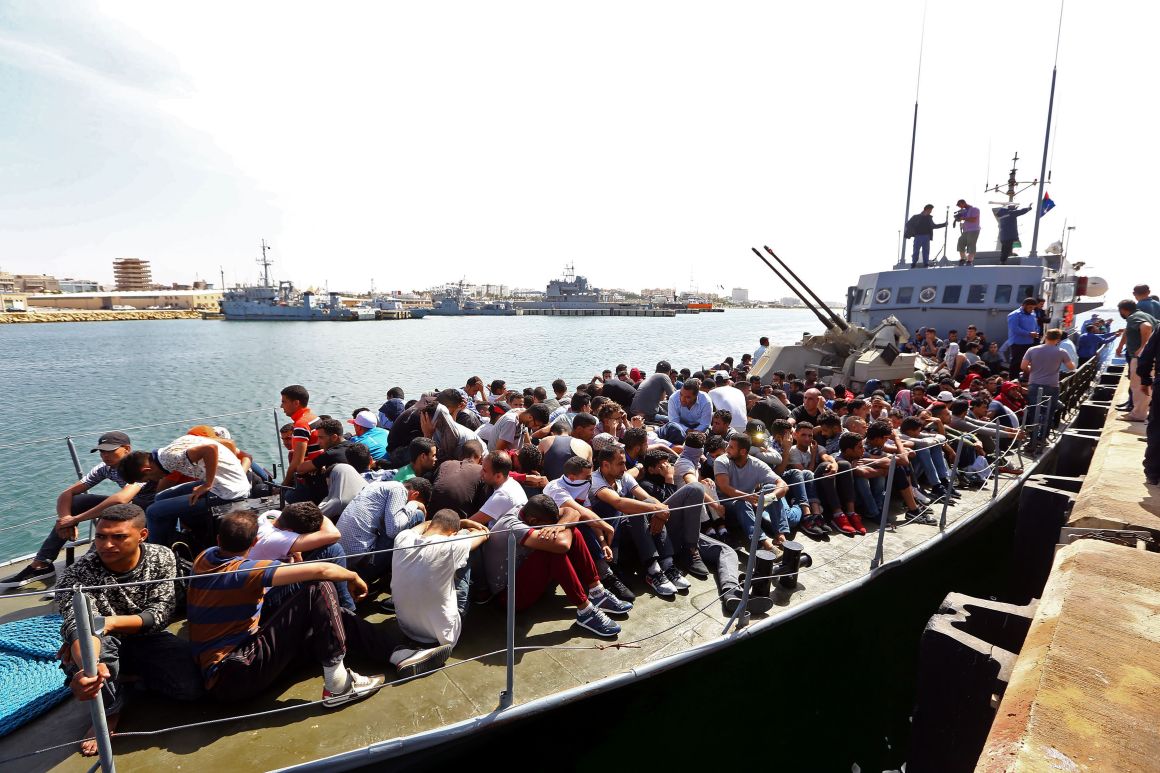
{"type": "Point", "coordinates": [82, 379]}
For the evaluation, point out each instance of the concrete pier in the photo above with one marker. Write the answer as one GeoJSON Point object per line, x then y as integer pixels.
{"type": "Point", "coordinates": [1084, 692]}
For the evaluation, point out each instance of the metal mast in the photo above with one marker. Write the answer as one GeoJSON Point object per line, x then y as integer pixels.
{"type": "Point", "coordinates": [1047, 136]}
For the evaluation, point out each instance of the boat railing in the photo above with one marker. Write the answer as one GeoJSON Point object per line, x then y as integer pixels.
{"type": "Point", "coordinates": [737, 622]}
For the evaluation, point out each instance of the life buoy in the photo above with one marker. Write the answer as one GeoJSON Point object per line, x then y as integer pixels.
{"type": "Point", "coordinates": [882, 296]}
{"type": "Point", "coordinates": [927, 294]}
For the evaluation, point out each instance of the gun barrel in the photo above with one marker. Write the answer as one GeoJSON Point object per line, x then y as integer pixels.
{"type": "Point", "coordinates": [841, 323]}
{"type": "Point", "coordinates": [825, 322]}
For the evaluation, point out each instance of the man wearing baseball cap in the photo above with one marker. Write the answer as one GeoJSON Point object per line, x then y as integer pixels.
{"type": "Point", "coordinates": [367, 432]}
{"type": "Point", "coordinates": [75, 505]}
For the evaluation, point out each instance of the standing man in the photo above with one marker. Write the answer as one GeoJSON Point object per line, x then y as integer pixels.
{"type": "Point", "coordinates": [921, 228]}
{"type": "Point", "coordinates": [1008, 229]}
{"type": "Point", "coordinates": [968, 219]}
{"type": "Point", "coordinates": [1137, 331]}
{"type": "Point", "coordinates": [1042, 365]}
{"type": "Point", "coordinates": [1146, 366]}
{"type": "Point", "coordinates": [1022, 330]}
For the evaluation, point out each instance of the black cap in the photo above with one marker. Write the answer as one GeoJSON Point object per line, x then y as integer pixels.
{"type": "Point", "coordinates": [111, 441]}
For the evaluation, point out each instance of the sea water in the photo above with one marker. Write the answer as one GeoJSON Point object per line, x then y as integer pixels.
{"type": "Point", "coordinates": [86, 378]}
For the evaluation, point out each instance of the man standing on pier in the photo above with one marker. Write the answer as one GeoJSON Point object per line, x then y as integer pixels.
{"type": "Point", "coordinates": [1137, 332]}
{"type": "Point", "coordinates": [1145, 370]}
{"type": "Point", "coordinates": [1022, 331]}
{"type": "Point", "coordinates": [921, 228]}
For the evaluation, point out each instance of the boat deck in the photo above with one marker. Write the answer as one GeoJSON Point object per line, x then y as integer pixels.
{"type": "Point", "coordinates": [467, 690]}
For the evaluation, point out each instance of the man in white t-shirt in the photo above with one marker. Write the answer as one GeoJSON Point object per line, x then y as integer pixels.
{"type": "Point", "coordinates": [429, 576]}
{"type": "Point", "coordinates": [507, 494]}
{"type": "Point", "coordinates": [505, 433]}
{"type": "Point", "coordinates": [299, 533]}
{"type": "Point", "coordinates": [729, 398]}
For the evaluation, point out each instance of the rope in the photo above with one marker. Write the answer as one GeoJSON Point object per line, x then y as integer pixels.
{"type": "Point", "coordinates": [30, 678]}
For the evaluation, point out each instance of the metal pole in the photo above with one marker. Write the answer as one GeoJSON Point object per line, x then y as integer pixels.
{"type": "Point", "coordinates": [70, 552]}
{"type": "Point", "coordinates": [508, 696]}
{"type": "Point", "coordinates": [1047, 136]}
{"type": "Point", "coordinates": [946, 231]}
{"type": "Point", "coordinates": [942, 521]}
{"type": "Point", "coordinates": [740, 615]}
{"type": "Point", "coordinates": [885, 520]}
{"type": "Point", "coordinates": [278, 436]}
{"type": "Point", "coordinates": [910, 176]}
{"type": "Point", "coordinates": [89, 663]}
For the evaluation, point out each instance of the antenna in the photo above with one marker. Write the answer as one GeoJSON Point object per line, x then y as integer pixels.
{"type": "Point", "coordinates": [265, 263]}
{"type": "Point", "coordinates": [1047, 136]}
{"type": "Point", "coordinates": [914, 130]}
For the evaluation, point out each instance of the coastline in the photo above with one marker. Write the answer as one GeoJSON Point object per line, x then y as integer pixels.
{"type": "Point", "coordinates": [32, 317]}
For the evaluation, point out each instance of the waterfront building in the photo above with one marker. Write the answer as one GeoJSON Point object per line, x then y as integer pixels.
{"type": "Point", "coordinates": [132, 274]}
{"type": "Point", "coordinates": [141, 299]}
{"type": "Point", "coordinates": [740, 295]}
{"type": "Point", "coordinates": [70, 285]}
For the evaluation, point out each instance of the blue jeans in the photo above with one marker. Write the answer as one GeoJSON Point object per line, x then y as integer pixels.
{"type": "Point", "coordinates": [871, 495]}
{"type": "Point", "coordinates": [921, 244]}
{"type": "Point", "coordinates": [172, 505]}
{"type": "Point", "coordinates": [933, 464]}
{"type": "Point", "coordinates": [1041, 415]}
{"type": "Point", "coordinates": [802, 489]}
{"type": "Point", "coordinates": [672, 432]}
{"type": "Point", "coordinates": [335, 554]}
{"type": "Point", "coordinates": [779, 517]}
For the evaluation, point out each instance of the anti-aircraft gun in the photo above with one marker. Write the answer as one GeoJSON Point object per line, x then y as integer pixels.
{"type": "Point", "coordinates": [844, 354]}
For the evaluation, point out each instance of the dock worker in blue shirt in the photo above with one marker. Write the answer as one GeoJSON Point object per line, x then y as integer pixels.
{"type": "Point", "coordinates": [1022, 330]}
{"type": "Point", "coordinates": [689, 409]}
{"type": "Point", "coordinates": [1091, 341]}
{"type": "Point", "coordinates": [367, 432]}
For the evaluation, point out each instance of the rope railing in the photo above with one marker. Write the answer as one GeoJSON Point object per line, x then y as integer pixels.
{"type": "Point", "coordinates": [103, 739]}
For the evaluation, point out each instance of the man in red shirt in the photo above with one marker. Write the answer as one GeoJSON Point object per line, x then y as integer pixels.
{"type": "Point", "coordinates": [303, 442]}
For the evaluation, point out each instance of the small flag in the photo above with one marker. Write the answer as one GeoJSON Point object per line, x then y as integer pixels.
{"type": "Point", "coordinates": [1047, 205]}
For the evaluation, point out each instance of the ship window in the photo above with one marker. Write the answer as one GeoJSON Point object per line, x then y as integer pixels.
{"type": "Point", "coordinates": [866, 295]}
{"type": "Point", "coordinates": [1026, 291]}
{"type": "Point", "coordinates": [977, 294]}
{"type": "Point", "coordinates": [951, 293]}
{"type": "Point", "coordinates": [905, 294]}
{"type": "Point", "coordinates": [1002, 294]}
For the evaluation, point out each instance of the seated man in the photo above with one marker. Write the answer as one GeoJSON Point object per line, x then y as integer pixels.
{"type": "Point", "coordinates": [739, 477]}
{"type": "Point", "coordinates": [75, 505]}
{"type": "Point", "coordinates": [424, 458]}
{"type": "Point", "coordinates": [650, 392]}
{"type": "Point", "coordinates": [299, 533]}
{"type": "Point", "coordinates": [218, 477]}
{"type": "Point", "coordinates": [133, 645]}
{"type": "Point", "coordinates": [550, 554]}
{"type": "Point", "coordinates": [882, 443]}
{"type": "Point", "coordinates": [689, 410]}
{"type": "Point", "coordinates": [429, 578]}
{"type": "Point", "coordinates": [687, 469]}
{"type": "Point", "coordinates": [367, 432]}
{"type": "Point", "coordinates": [638, 517]}
{"type": "Point", "coordinates": [929, 453]}
{"type": "Point", "coordinates": [506, 494]}
{"type": "Point", "coordinates": [838, 489]}
{"type": "Point", "coordinates": [558, 448]}
{"type": "Point", "coordinates": [333, 449]}
{"type": "Point", "coordinates": [373, 518]}
{"type": "Point", "coordinates": [458, 485]}
{"type": "Point", "coordinates": [572, 493]}
{"type": "Point", "coordinates": [240, 656]}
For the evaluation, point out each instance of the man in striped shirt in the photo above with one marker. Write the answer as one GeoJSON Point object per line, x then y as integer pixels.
{"type": "Point", "coordinates": [240, 656]}
{"type": "Point", "coordinates": [303, 443]}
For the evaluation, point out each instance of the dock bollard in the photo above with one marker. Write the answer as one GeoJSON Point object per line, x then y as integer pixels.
{"type": "Point", "coordinates": [793, 560]}
{"type": "Point", "coordinates": [81, 613]}
{"type": "Point", "coordinates": [885, 520]}
{"type": "Point", "coordinates": [763, 569]}
{"type": "Point", "coordinates": [508, 696]}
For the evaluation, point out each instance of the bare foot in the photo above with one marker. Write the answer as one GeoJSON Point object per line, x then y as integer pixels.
{"type": "Point", "coordinates": [89, 745]}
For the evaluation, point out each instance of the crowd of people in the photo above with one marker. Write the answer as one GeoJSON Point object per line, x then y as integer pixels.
{"type": "Point", "coordinates": [624, 480]}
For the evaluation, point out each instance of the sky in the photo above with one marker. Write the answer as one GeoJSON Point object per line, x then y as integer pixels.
{"type": "Point", "coordinates": [651, 144]}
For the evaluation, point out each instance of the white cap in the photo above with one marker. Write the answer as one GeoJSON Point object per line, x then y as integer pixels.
{"type": "Point", "coordinates": [364, 419]}
{"type": "Point", "coordinates": [222, 433]}
{"type": "Point", "coordinates": [945, 396]}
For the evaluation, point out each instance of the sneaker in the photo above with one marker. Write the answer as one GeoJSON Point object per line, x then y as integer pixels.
{"type": "Point", "coordinates": [812, 527]}
{"type": "Point", "coordinates": [842, 524]}
{"type": "Point", "coordinates": [676, 578]}
{"type": "Point", "coordinates": [921, 517]}
{"type": "Point", "coordinates": [856, 522]}
{"type": "Point", "coordinates": [758, 605]}
{"type": "Point", "coordinates": [423, 661]}
{"type": "Point", "coordinates": [358, 687]}
{"type": "Point", "coordinates": [920, 497]}
{"type": "Point", "coordinates": [692, 563]}
{"type": "Point", "coordinates": [596, 621]}
{"type": "Point", "coordinates": [610, 604]}
{"type": "Point", "coordinates": [27, 576]}
{"type": "Point", "coordinates": [659, 584]}
{"type": "Point", "coordinates": [613, 585]}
